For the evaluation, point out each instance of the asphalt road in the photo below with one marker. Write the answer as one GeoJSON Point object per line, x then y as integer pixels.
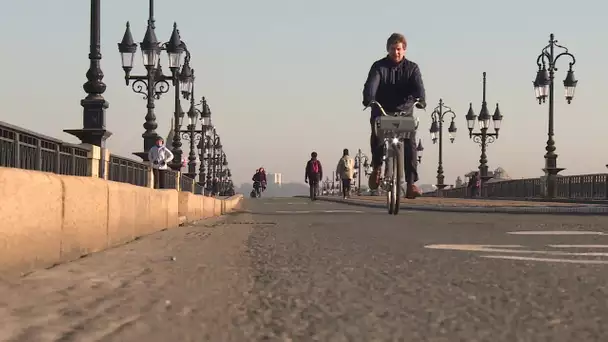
{"type": "Point", "coordinates": [291, 270]}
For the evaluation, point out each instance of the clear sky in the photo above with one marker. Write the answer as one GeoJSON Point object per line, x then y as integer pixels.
{"type": "Point", "coordinates": [284, 78]}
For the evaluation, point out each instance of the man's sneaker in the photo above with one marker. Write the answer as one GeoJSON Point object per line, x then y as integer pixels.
{"type": "Point", "coordinates": [374, 179]}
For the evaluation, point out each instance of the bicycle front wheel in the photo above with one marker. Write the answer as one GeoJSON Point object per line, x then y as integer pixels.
{"type": "Point", "coordinates": [391, 184]}
{"type": "Point", "coordinates": [397, 176]}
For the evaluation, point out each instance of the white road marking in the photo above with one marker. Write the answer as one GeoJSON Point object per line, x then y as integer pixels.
{"type": "Point", "coordinates": [318, 211]}
{"type": "Point", "coordinates": [569, 261]}
{"type": "Point", "coordinates": [555, 232]}
{"type": "Point", "coordinates": [578, 246]}
{"type": "Point", "coordinates": [504, 249]}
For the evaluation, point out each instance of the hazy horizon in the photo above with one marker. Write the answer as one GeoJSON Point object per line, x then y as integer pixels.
{"type": "Point", "coordinates": [283, 79]}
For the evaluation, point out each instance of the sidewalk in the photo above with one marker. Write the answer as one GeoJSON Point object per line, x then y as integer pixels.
{"type": "Point", "coordinates": [478, 205]}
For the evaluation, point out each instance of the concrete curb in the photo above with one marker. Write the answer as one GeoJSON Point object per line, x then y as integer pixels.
{"type": "Point", "coordinates": [574, 211]}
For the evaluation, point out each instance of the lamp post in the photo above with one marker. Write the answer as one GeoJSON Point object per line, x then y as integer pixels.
{"type": "Point", "coordinates": [202, 145]}
{"type": "Point", "coordinates": [361, 160]}
{"type": "Point", "coordinates": [544, 87]}
{"type": "Point", "coordinates": [419, 150]}
{"type": "Point", "coordinates": [154, 83]}
{"type": "Point", "coordinates": [213, 145]}
{"type": "Point", "coordinates": [483, 138]}
{"type": "Point", "coordinates": [184, 83]}
{"type": "Point", "coordinates": [94, 105]}
{"type": "Point", "coordinates": [437, 117]}
{"type": "Point", "coordinates": [194, 136]}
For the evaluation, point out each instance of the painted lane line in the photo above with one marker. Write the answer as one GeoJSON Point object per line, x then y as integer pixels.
{"type": "Point", "coordinates": [319, 211]}
{"type": "Point", "coordinates": [578, 246]}
{"type": "Point", "coordinates": [569, 261]}
{"type": "Point", "coordinates": [497, 249]}
{"type": "Point", "coordinates": [556, 232]}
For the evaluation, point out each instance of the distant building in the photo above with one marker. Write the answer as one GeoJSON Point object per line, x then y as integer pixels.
{"type": "Point", "coordinates": [275, 179]}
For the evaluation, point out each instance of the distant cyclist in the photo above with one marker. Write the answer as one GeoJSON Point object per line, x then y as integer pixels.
{"type": "Point", "coordinates": [391, 81]}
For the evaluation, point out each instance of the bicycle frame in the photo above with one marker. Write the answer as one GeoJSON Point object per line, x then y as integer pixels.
{"type": "Point", "coordinates": [393, 129]}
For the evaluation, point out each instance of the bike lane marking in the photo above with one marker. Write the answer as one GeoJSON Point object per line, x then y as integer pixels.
{"type": "Point", "coordinates": [556, 232]}
{"type": "Point", "coordinates": [318, 211]}
{"type": "Point", "coordinates": [567, 261]}
{"type": "Point", "coordinates": [514, 249]}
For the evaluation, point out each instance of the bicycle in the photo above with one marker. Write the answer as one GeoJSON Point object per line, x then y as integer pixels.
{"type": "Point", "coordinates": [393, 128]}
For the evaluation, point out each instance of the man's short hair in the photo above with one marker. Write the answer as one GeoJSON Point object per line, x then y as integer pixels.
{"type": "Point", "coordinates": [396, 38]}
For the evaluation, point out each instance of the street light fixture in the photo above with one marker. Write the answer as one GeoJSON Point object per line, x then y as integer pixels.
{"type": "Point", "coordinates": [483, 138]}
{"type": "Point", "coordinates": [543, 88]}
{"type": "Point", "coordinates": [154, 83]}
{"type": "Point", "coordinates": [437, 117]}
{"type": "Point", "coordinates": [419, 150]}
{"type": "Point", "coordinates": [361, 160]}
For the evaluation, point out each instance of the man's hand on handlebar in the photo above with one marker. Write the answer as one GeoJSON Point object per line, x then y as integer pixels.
{"type": "Point", "coordinates": [421, 104]}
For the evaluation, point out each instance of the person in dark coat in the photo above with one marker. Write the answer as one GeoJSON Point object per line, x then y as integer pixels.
{"type": "Point", "coordinates": [313, 175]}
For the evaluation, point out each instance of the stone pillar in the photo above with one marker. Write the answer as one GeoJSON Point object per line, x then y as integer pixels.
{"type": "Point", "coordinates": [150, 178]}
{"type": "Point", "coordinates": [178, 184]}
{"type": "Point", "coordinates": [93, 157]}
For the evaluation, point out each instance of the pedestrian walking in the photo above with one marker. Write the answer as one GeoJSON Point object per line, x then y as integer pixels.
{"type": "Point", "coordinates": [345, 171]}
{"type": "Point", "coordinates": [313, 175]}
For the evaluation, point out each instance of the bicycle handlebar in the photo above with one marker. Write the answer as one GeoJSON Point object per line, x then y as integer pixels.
{"type": "Point", "coordinates": [416, 102]}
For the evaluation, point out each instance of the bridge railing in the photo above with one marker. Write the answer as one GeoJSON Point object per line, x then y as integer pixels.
{"type": "Point", "coordinates": [24, 149]}
{"type": "Point", "coordinates": [186, 183]}
{"type": "Point", "coordinates": [199, 189]}
{"type": "Point", "coordinates": [126, 170]}
{"type": "Point", "coordinates": [574, 187]}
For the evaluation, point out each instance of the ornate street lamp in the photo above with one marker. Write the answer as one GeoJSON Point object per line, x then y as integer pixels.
{"type": "Point", "coordinates": [94, 105]}
{"type": "Point", "coordinates": [419, 150]}
{"type": "Point", "coordinates": [483, 138]}
{"type": "Point", "coordinates": [543, 88]}
{"type": "Point", "coordinates": [203, 152]}
{"type": "Point", "coordinates": [195, 137]}
{"type": "Point", "coordinates": [154, 83]}
{"type": "Point", "coordinates": [361, 160]}
{"type": "Point", "coordinates": [437, 117]}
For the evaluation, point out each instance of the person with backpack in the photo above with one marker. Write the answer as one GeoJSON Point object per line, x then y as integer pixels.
{"type": "Point", "coordinates": [313, 175]}
{"type": "Point", "coordinates": [345, 171]}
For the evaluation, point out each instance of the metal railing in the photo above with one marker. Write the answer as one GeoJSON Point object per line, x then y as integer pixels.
{"type": "Point", "coordinates": [125, 170]}
{"type": "Point", "coordinates": [186, 183]}
{"type": "Point", "coordinates": [23, 149]}
{"type": "Point", "coordinates": [199, 189]}
{"type": "Point", "coordinates": [575, 187]}
{"type": "Point", "coordinates": [170, 179]}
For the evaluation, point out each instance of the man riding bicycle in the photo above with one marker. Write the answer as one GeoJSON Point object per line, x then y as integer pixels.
{"type": "Point", "coordinates": [393, 81]}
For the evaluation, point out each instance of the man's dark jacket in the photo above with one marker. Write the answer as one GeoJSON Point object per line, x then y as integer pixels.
{"type": "Point", "coordinates": [391, 83]}
{"type": "Point", "coordinates": [310, 175]}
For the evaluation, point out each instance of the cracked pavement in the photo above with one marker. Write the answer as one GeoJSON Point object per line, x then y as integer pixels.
{"type": "Point", "coordinates": [292, 270]}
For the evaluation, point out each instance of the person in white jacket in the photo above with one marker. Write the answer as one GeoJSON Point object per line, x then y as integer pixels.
{"type": "Point", "coordinates": [159, 156]}
{"type": "Point", "coordinates": [345, 171]}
